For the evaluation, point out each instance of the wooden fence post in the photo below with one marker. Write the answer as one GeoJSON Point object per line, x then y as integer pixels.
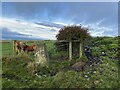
{"type": "Point", "coordinates": [13, 46]}
{"type": "Point", "coordinates": [70, 50]}
{"type": "Point", "coordinates": [80, 50]}
{"type": "Point", "coordinates": [46, 52]}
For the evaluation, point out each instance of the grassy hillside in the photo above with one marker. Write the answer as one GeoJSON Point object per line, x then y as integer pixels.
{"type": "Point", "coordinates": [59, 73]}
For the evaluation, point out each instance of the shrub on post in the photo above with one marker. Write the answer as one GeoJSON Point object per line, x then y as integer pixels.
{"type": "Point", "coordinates": [72, 33]}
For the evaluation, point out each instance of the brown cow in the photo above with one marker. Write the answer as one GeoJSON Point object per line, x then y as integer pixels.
{"type": "Point", "coordinates": [19, 46]}
{"type": "Point", "coordinates": [29, 48]}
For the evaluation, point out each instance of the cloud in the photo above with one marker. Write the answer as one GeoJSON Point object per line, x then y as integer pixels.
{"type": "Point", "coordinates": [10, 35]}
{"type": "Point", "coordinates": [50, 24]}
{"type": "Point", "coordinates": [48, 30]}
{"type": "Point", "coordinates": [30, 29]}
{"type": "Point", "coordinates": [68, 12]}
{"type": "Point", "coordinates": [44, 19]}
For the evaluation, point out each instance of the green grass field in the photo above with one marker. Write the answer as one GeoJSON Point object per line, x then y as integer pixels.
{"type": "Point", "coordinates": [7, 46]}
{"type": "Point", "coordinates": [7, 49]}
{"type": "Point", "coordinates": [58, 75]}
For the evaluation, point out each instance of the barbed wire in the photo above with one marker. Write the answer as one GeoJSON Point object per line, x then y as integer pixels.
{"type": "Point", "coordinates": [62, 45]}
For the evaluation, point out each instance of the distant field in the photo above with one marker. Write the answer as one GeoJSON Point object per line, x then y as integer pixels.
{"type": "Point", "coordinates": [7, 49]}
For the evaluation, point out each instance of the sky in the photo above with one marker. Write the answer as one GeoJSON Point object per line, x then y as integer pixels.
{"type": "Point", "coordinates": [43, 20]}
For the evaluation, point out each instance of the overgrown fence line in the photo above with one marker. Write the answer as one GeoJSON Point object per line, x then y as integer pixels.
{"type": "Point", "coordinates": [70, 47]}
{"type": "Point", "coordinates": [8, 46]}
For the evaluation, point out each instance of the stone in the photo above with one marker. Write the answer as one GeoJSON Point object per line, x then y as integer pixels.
{"type": "Point", "coordinates": [96, 82]}
{"type": "Point", "coordinates": [79, 66]}
{"type": "Point", "coordinates": [41, 57]}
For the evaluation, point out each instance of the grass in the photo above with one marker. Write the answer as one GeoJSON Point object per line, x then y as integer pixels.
{"type": "Point", "coordinates": [7, 49]}
{"type": "Point", "coordinates": [58, 74]}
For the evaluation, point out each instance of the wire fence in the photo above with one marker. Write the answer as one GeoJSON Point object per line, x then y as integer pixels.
{"type": "Point", "coordinates": [7, 46]}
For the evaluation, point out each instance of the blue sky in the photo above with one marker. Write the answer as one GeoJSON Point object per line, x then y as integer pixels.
{"type": "Point", "coordinates": [43, 20]}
